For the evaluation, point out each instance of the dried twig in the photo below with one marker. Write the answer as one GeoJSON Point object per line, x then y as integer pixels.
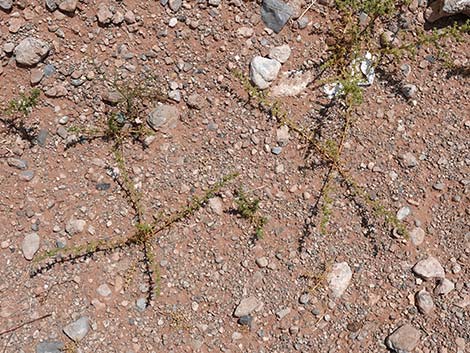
{"type": "Point", "coordinates": [23, 324]}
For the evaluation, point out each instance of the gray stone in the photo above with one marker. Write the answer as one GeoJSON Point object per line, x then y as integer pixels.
{"type": "Point", "coordinates": [27, 175]}
{"type": "Point", "coordinates": [404, 339]}
{"type": "Point", "coordinates": [444, 287]}
{"type": "Point", "coordinates": [6, 5]}
{"type": "Point", "coordinates": [31, 51]}
{"type": "Point", "coordinates": [104, 290]}
{"type": "Point", "coordinates": [30, 245]}
{"type": "Point", "coordinates": [339, 278]}
{"type": "Point", "coordinates": [163, 116]}
{"type": "Point", "coordinates": [444, 8]}
{"type": "Point", "coordinates": [75, 226]}
{"type": "Point", "coordinates": [304, 298]}
{"type": "Point", "coordinates": [409, 160]}
{"type": "Point", "coordinates": [247, 306]}
{"type": "Point", "coordinates": [282, 313]}
{"type": "Point", "coordinates": [9, 47]}
{"type": "Point", "coordinates": [195, 101]}
{"type": "Point", "coordinates": [281, 53]}
{"type": "Point", "coordinates": [262, 261]}
{"type": "Point", "coordinates": [276, 150]}
{"type": "Point", "coordinates": [50, 347]}
{"type": "Point", "coordinates": [409, 90]}
{"type": "Point", "coordinates": [429, 268]}
{"type": "Point", "coordinates": [424, 302]}
{"type": "Point", "coordinates": [275, 14]}
{"type": "Point", "coordinates": [17, 163]}
{"type": "Point", "coordinates": [403, 212]}
{"type": "Point", "coordinates": [263, 71]}
{"type": "Point", "coordinates": [141, 304]}
{"type": "Point", "coordinates": [417, 236]}
{"type": "Point", "coordinates": [77, 330]}
{"type": "Point", "coordinates": [36, 76]}
{"type": "Point", "coordinates": [68, 5]}
{"type": "Point", "coordinates": [51, 5]}
{"type": "Point", "coordinates": [175, 5]}
{"type": "Point", "coordinates": [42, 137]}
{"type": "Point", "coordinates": [104, 15]}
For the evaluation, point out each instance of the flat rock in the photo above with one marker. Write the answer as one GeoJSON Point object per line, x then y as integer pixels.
{"type": "Point", "coordinates": [291, 85]}
{"type": "Point", "coordinates": [275, 14]}
{"type": "Point", "coordinates": [6, 5]}
{"type": "Point", "coordinates": [215, 204]}
{"type": "Point", "coordinates": [263, 71]}
{"type": "Point", "coordinates": [77, 330]}
{"type": "Point", "coordinates": [163, 116]}
{"type": "Point", "coordinates": [409, 160]}
{"type": "Point", "coordinates": [68, 5]}
{"type": "Point", "coordinates": [444, 8]}
{"type": "Point", "coordinates": [104, 15]}
{"type": "Point", "coordinates": [404, 339]}
{"type": "Point", "coordinates": [31, 51]}
{"type": "Point", "coordinates": [429, 268]}
{"type": "Point", "coordinates": [417, 236]}
{"type": "Point", "coordinates": [30, 245]}
{"type": "Point", "coordinates": [104, 290]}
{"type": "Point", "coordinates": [339, 278]}
{"type": "Point", "coordinates": [50, 347]}
{"type": "Point", "coordinates": [75, 226]}
{"type": "Point", "coordinates": [17, 163]}
{"type": "Point", "coordinates": [424, 302]}
{"type": "Point", "coordinates": [195, 101]}
{"type": "Point", "coordinates": [280, 53]}
{"type": "Point", "coordinates": [444, 287]}
{"type": "Point", "coordinates": [247, 306]}
{"type": "Point", "coordinates": [175, 5]}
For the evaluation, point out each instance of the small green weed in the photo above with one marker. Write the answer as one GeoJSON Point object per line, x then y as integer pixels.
{"type": "Point", "coordinates": [249, 209]}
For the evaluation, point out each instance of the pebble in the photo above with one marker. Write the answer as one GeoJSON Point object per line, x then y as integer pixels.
{"type": "Point", "coordinates": [164, 116]}
{"type": "Point", "coordinates": [409, 160]}
{"type": "Point", "coordinates": [42, 137]}
{"type": "Point", "coordinates": [304, 298]}
{"type": "Point", "coordinates": [104, 15]}
{"type": "Point", "coordinates": [424, 302]}
{"type": "Point", "coordinates": [175, 5]}
{"type": "Point", "coordinates": [262, 262]}
{"type": "Point", "coordinates": [215, 204]}
{"type": "Point", "coordinates": [263, 71]}
{"type": "Point", "coordinates": [141, 304]}
{"type": "Point", "coordinates": [245, 320]}
{"type": "Point", "coordinates": [51, 5]}
{"type": "Point", "coordinates": [31, 51]}
{"type": "Point", "coordinates": [282, 313]}
{"type": "Point", "coordinates": [50, 347]}
{"type": "Point", "coordinates": [6, 5]}
{"type": "Point", "coordinates": [17, 163]}
{"type": "Point", "coordinates": [26, 175]}
{"type": "Point", "coordinates": [417, 236]}
{"type": "Point", "coordinates": [403, 213]}
{"type": "Point", "coordinates": [172, 23]}
{"type": "Point", "coordinates": [129, 17]}
{"type": "Point", "coordinates": [77, 330]}
{"type": "Point", "coordinates": [444, 287]}
{"type": "Point", "coordinates": [429, 268]}
{"type": "Point", "coordinates": [75, 226]}
{"type": "Point", "coordinates": [30, 245]}
{"type": "Point", "coordinates": [404, 339]}
{"type": "Point", "coordinates": [339, 278]}
{"type": "Point", "coordinates": [68, 5]}
{"type": "Point", "coordinates": [104, 290]}
{"type": "Point", "coordinates": [247, 306]}
{"type": "Point", "coordinates": [276, 150]}
{"type": "Point", "coordinates": [36, 76]}
{"type": "Point", "coordinates": [195, 101]}
{"type": "Point", "coordinates": [409, 90]}
{"type": "Point", "coordinates": [275, 14]}
{"type": "Point", "coordinates": [282, 135]}
{"type": "Point", "coordinates": [281, 53]}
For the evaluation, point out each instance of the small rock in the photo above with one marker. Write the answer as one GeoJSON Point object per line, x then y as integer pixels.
{"type": "Point", "coordinates": [403, 212]}
{"type": "Point", "coordinates": [281, 53]}
{"type": "Point", "coordinates": [68, 5]}
{"type": "Point", "coordinates": [429, 268]}
{"type": "Point", "coordinates": [275, 14]}
{"type": "Point", "coordinates": [417, 236]}
{"type": "Point", "coordinates": [42, 137]}
{"type": "Point", "coordinates": [50, 347]}
{"type": "Point", "coordinates": [129, 17]}
{"type": "Point", "coordinates": [56, 91]}
{"type": "Point", "coordinates": [17, 163]}
{"type": "Point", "coordinates": [118, 18]}
{"type": "Point", "coordinates": [175, 5]}
{"type": "Point", "coordinates": [339, 278]}
{"type": "Point", "coordinates": [75, 226]}
{"type": "Point", "coordinates": [141, 304]}
{"type": "Point", "coordinates": [172, 22]}
{"type": "Point", "coordinates": [282, 135]}
{"type": "Point", "coordinates": [444, 8]}
{"type": "Point", "coordinates": [104, 15]}
{"type": "Point", "coordinates": [6, 5]}
{"type": "Point", "coordinates": [36, 76]}
{"type": "Point", "coordinates": [9, 47]}
{"type": "Point", "coordinates": [104, 290]}
{"type": "Point", "coordinates": [304, 298]}
{"type": "Point", "coordinates": [247, 306]}
{"type": "Point", "coordinates": [409, 90]}
{"type": "Point", "coordinates": [103, 186]}
{"type": "Point", "coordinates": [31, 51]}
{"type": "Point", "coordinates": [164, 116]}
{"type": "Point", "coordinates": [195, 101]}
{"type": "Point", "coordinates": [263, 71]}
{"type": "Point", "coordinates": [246, 320]}
{"type": "Point", "coordinates": [111, 97]}
{"type": "Point", "coordinates": [282, 313]}
{"type": "Point", "coordinates": [77, 330]}
{"type": "Point", "coordinates": [216, 206]}
{"type": "Point", "coordinates": [276, 150]}
{"type": "Point", "coordinates": [444, 287]}
{"type": "Point", "coordinates": [404, 339]}
{"type": "Point", "coordinates": [26, 175]}
{"type": "Point", "coordinates": [51, 5]}
{"type": "Point", "coordinates": [409, 160]}
{"type": "Point", "coordinates": [291, 85]}
{"type": "Point", "coordinates": [424, 302]}
{"type": "Point", "coordinates": [262, 262]}
{"type": "Point", "coordinates": [30, 245]}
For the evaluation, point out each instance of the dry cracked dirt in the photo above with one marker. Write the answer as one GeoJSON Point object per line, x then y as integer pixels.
{"type": "Point", "coordinates": [367, 252]}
